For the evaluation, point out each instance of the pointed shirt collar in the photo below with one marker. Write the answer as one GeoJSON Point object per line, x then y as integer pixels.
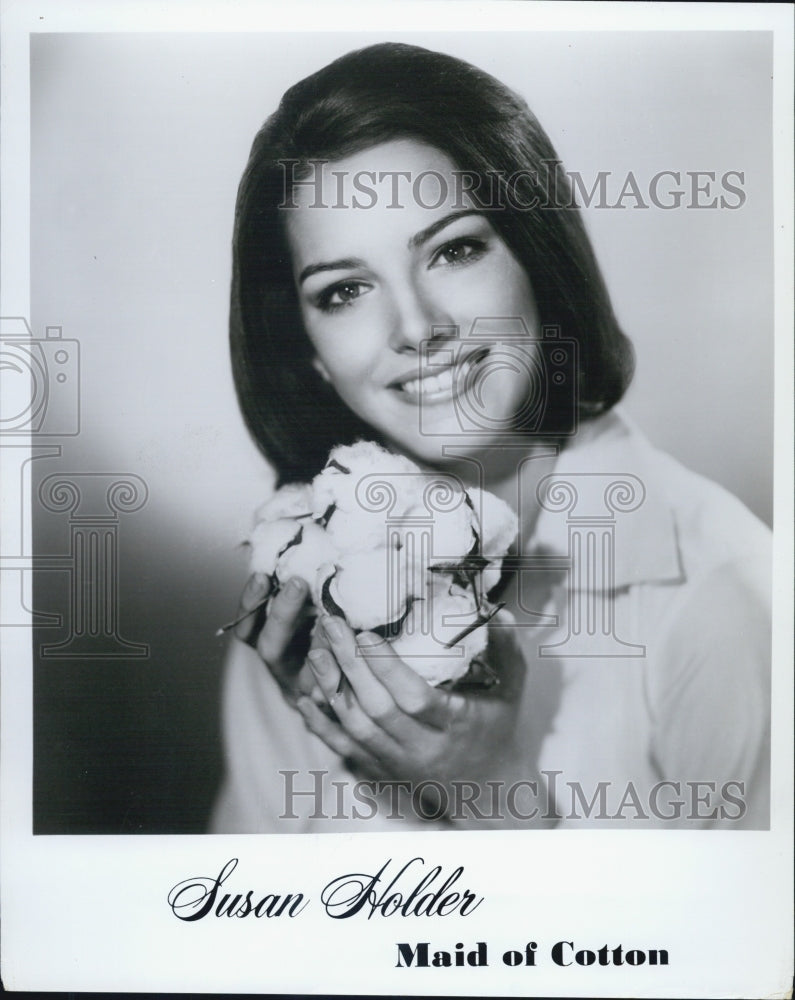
{"type": "Point", "coordinates": [608, 480]}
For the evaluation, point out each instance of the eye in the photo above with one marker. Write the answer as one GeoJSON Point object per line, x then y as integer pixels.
{"type": "Point", "coordinates": [459, 251]}
{"type": "Point", "coordinates": [342, 294]}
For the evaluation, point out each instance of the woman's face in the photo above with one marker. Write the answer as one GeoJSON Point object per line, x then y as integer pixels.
{"type": "Point", "coordinates": [420, 317]}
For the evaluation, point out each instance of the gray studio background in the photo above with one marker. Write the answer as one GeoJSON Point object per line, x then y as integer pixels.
{"type": "Point", "coordinates": [138, 142]}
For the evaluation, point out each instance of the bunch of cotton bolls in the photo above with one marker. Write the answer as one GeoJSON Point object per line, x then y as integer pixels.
{"type": "Point", "coordinates": [391, 549]}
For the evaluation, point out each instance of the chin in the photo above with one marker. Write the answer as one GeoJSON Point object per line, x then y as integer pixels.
{"type": "Point", "coordinates": [442, 452]}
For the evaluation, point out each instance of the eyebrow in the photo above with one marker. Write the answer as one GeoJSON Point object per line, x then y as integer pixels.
{"type": "Point", "coordinates": [333, 265]}
{"type": "Point", "coordinates": [417, 240]}
{"type": "Point", "coordinates": [422, 237]}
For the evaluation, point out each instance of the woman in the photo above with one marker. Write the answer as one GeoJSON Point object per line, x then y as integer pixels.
{"type": "Point", "coordinates": [410, 269]}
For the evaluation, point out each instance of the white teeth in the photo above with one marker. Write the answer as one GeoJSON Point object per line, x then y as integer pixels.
{"type": "Point", "coordinates": [430, 385]}
{"type": "Point", "coordinates": [434, 385]}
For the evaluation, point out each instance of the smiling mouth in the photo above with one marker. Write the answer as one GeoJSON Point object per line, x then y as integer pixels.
{"type": "Point", "coordinates": [444, 384]}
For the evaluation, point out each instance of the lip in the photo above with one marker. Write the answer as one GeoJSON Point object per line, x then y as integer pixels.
{"type": "Point", "coordinates": [436, 383]}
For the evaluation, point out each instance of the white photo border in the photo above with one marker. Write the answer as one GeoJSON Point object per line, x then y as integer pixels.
{"type": "Point", "coordinates": [90, 913]}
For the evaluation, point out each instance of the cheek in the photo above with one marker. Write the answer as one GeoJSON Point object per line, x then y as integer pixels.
{"type": "Point", "coordinates": [343, 348]}
{"type": "Point", "coordinates": [346, 360]}
{"type": "Point", "coordinates": [501, 291]}
{"type": "Point", "coordinates": [343, 362]}
{"type": "Point", "coordinates": [518, 298]}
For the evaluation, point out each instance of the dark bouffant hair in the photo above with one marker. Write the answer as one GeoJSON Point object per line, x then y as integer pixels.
{"type": "Point", "coordinates": [371, 96]}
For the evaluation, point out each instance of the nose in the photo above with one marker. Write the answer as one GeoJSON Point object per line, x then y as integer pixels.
{"type": "Point", "coordinates": [417, 317]}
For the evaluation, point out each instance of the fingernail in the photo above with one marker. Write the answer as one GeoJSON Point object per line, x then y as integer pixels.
{"type": "Point", "coordinates": [317, 661]}
{"type": "Point", "coordinates": [260, 579]}
{"type": "Point", "coordinates": [332, 628]}
{"type": "Point", "coordinates": [368, 639]}
{"type": "Point", "coordinates": [295, 587]}
{"type": "Point", "coordinates": [302, 704]}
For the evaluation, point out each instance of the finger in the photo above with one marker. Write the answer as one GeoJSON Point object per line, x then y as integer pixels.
{"type": "Point", "coordinates": [374, 699]}
{"type": "Point", "coordinates": [356, 722]}
{"type": "Point", "coordinates": [333, 735]}
{"type": "Point", "coordinates": [306, 682]}
{"type": "Point", "coordinates": [284, 612]}
{"type": "Point", "coordinates": [326, 673]}
{"type": "Point", "coordinates": [256, 591]}
{"type": "Point", "coordinates": [410, 692]}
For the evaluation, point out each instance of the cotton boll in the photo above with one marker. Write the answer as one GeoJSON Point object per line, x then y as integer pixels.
{"type": "Point", "coordinates": [369, 590]}
{"type": "Point", "coordinates": [332, 489]}
{"type": "Point", "coordinates": [292, 500]}
{"type": "Point", "coordinates": [267, 540]}
{"type": "Point", "coordinates": [490, 576]}
{"type": "Point", "coordinates": [335, 486]}
{"type": "Point", "coordinates": [370, 559]}
{"type": "Point", "coordinates": [453, 609]}
{"type": "Point", "coordinates": [354, 530]}
{"type": "Point", "coordinates": [497, 523]}
{"type": "Point", "coordinates": [451, 531]}
{"type": "Point", "coordinates": [428, 627]}
{"type": "Point", "coordinates": [304, 560]}
{"type": "Point", "coordinates": [367, 456]}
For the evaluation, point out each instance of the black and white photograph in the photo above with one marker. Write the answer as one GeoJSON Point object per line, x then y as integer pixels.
{"type": "Point", "coordinates": [396, 452]}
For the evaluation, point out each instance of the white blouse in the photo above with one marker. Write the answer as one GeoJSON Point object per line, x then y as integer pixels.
{"type": "Point", "coordinates": [643, 613]}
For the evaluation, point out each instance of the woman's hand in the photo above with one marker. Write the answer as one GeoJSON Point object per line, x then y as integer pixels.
{"type": "Point", "coordinates": [392, 723]}
{"type": "Point", "coordinates": [280, 636]}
